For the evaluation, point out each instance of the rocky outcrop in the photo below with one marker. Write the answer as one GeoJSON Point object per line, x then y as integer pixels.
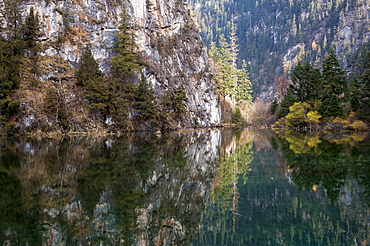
{"type": "Point", "coordinates": [168, 39]}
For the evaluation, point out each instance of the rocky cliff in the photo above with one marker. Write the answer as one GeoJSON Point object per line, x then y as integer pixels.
{"type": "Point", "coordinates": [168, 41]}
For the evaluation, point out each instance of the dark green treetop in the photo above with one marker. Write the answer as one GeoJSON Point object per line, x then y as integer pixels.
{"type": "Point", "coordinates": [126, 62]}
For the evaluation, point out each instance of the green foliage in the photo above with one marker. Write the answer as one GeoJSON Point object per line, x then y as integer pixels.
{"type": "Point", "coordinates": [288, 101]}
{"type": "Point", "coordinates": [55, 108]}
{"type": "Point", "coordinates": [333, 76]}
{"type": "Point", "coordinates": [30, 35]}
{"type": "Point", "coordinates": [87, 68]}
{"type": "Point", "coordinates": [244, 85]}
{"type": "Point", "coordinates": [10, 58]}
{"type": "Point", "coordinates": [126, 62]}
{"type": "Point", "coordinates": [306, 82]}
{"type": "Point", "coordinates": [273, 107]}
{"type": "Point", "coordinates": [173, 103]}
{"type": "Point", "coordinates": [230, 80]}
{"type": "Point", "coordinates": [331, 106]}
{"type": "Point", "coordinates": [97, 90]}
{"type": "Point", "coordinates": [238, 118]}
{"type": "Point", "coordinates": [145, 107]}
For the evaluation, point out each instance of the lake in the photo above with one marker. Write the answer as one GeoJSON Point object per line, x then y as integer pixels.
{"type": "Point", "coordinates": [204, 187]}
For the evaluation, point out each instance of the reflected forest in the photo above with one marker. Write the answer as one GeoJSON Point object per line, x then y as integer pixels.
{"type": "Point", "coordinates": [210, 187]}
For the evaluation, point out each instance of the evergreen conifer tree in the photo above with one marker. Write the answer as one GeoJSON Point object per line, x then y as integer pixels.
{"type": "Point", "coordinates": [273, 107]}
{"type": "Point", "coordinates": [244, 85]}
{"type": "Point", "coordinates": [145, 108]}
{"type": "Point", "coordinates": [126, 62]}
{"type": "Point", "coordinates": [334, 80]}
{"type": "Point", "coordinates": [331, 106]}
{"type": "Point", "coordinates": [288, 101]}
{"type": "Point", "coordinates": [306, 82]}
{"type": "Point", "coordinates": [31, 33]}
{"type": "Point", "coordinates": [92, 79]}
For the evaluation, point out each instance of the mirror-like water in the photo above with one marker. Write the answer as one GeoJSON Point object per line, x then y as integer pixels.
{"type": "Point", "coordinates": [196, 188]}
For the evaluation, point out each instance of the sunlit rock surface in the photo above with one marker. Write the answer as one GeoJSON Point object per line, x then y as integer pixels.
{"type": "Point", "coordinates": [173, 52]}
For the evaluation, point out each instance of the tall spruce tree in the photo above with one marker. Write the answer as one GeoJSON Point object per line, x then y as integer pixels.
{"type": "Point", "coordinates": [333, 76]}
{"type": "Point", "coordinates": [11, 54]}
{"type": "Point", "coordinates": [95, 86]}
{"type": "Point", "coordinates": [145, 107]}
{"type": "Point", "coordinates": [244, 85]}
{"type": "Point", "coordinates": [335, 85]}
{"type": "Point", "coordinates": [31, 33]}
{"type": "Point", "coordinates": [126, 62]}
{"type": "Point", "coordinates": [288, 101]}
{"type": "Point", "coordinates": [306, 82]}
{"type": "Point", "coordinates": [364, 88]}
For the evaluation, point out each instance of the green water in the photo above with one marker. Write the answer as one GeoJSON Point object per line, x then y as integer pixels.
{"type": "Point", "coordinates": [195, 188]}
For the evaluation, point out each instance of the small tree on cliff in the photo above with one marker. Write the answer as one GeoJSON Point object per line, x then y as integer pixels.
{"type": "Point", "coordinates": [145, 107]}
{"type": "Point", "coordinates": [126, 62]}
{"type": "Point", "coordinates": [124, 65]}
{"type": "Point", "coordinates": [90, 77]}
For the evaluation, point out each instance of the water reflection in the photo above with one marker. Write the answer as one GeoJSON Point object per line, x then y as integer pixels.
{"type": "Point", "coordinates": [300, 190]}
{"type": "Point", "coordinates": [196, 188]}
{"type": "Point", "coordinates": [135, 189]}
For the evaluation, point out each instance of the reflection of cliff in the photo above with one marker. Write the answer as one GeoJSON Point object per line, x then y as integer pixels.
{"type": "Point", "coordinates": [176, 197]}
{"type": "Point", "coordinates": [87, 190]}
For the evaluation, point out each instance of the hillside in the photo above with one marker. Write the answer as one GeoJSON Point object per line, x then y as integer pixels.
{"type": "Point", "coordinates": [274, 34]}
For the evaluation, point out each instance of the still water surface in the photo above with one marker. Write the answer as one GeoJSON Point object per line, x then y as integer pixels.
{"type": "Point", "coordinates": [196, 188]}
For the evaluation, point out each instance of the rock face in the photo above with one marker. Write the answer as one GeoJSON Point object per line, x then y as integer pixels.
{"type": "Point", "coordinates": [168, 39]}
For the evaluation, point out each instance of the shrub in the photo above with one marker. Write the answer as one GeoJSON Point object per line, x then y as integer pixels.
{"type": "Point", "coordinates": [359, 125]}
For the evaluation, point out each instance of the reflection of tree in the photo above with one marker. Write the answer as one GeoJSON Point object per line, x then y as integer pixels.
{"type": "Point", "coordinates": [232, 167]}
{"type": "Point", "coordinates": [272, 211]}
{"type": "Point", "coordinates": [13, 229]}
{"type": "Point", "coordinates": [316, 162]}
{"type": "Point", "coordinates": [302, 143]}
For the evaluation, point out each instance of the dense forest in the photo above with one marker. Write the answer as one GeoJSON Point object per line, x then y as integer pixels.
{"type": "Point", "coordinates": [274, 34]}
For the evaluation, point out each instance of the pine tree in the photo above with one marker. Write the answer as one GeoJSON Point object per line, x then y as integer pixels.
{"type": "Point", "coordinates": [234, 50]}
{"type": "Point", "coordinates": [244, 85]}
{"type": "Point", "coordinates": [12, 14]}
{"type": "Point", "coordinates": [331, 106]}
{"type": "Point", "coordinates": [173, 104]}
{"type": "Point", "coordinates": [87, 68]}
{"type": "Point", "coordinates": [31, 33]}
{"type": "Point", "coordinates": [334, 80]}
{"type": "Point", "coordinates": [273, 107]}
{"type": "Point", "coordinates": [306, 82]}
{"type": "Point", "coordinates": [335, 88]}
{"type": "Point", "coordinates": [355, 94]}
{"type": "Point", "coordinates": [288, 101]}
{"type": "Point", "coordinates": [126, 62]}
{"type": "Point", "coordinates": [145, 107]}
{"type": "Point", "coordinates": [55, 108]}
{"type": "Point", "coordinates": [97, 91]}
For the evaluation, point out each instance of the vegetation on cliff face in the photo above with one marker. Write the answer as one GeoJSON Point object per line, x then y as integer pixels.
{"type": "Point", "coordinates": [81, 99]}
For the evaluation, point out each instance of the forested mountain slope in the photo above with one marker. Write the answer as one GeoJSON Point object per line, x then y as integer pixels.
{"type": "Point", "coordinates": [274, 34]}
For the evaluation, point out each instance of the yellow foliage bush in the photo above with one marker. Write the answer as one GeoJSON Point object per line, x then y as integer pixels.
{"type": "Point", "coordinates": [359, 125]}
